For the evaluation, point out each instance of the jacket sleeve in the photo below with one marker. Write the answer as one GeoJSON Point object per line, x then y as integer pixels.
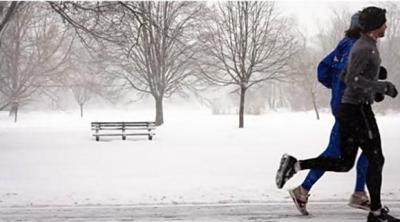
{"type": "Point", "coordinates": [354, 77]}
{"type": "Point", "coordinates": [324, 70]}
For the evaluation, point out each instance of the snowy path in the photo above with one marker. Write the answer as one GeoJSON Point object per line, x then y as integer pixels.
{"type": "Point", "coordinates": [271, 212]}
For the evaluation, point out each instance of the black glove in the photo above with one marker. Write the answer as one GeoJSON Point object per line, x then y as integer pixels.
{"type": "Point", "coordinates": [379, 97]}
{"type": "Point", "coordinates": [382, 73]}
{"type": "Point", "coordinates": [391, 89]}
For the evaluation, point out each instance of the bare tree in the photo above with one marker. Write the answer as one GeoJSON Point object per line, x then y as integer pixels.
{"type": "Point", "coordinates": [305, 68]}
{"type": "Point", "coordinates": [305, 65]}
{"type": "Point", "coordinates": [158, 62]}
{"type": "Point", "coordinates": [85, 75]}
{"type": "Point", "coordinates": [246, 43]}
{"type": "Point", "coordinates": [82, 90]}
{"type": "Point", "coordinates": [7, 10]}
{"type": "Point", "coordinates": [97, 20]}
{"type": "Point", "coordinates": [32, 52]}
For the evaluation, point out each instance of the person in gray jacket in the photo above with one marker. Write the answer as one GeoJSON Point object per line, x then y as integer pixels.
{"type": "Point", "coordinates": [358, 125]}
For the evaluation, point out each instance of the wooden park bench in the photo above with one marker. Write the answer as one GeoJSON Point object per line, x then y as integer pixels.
{"type": "Point", "coordinates": [126, 128]}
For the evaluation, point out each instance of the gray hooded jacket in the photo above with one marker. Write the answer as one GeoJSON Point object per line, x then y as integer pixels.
{"type": "Point", "coordinates": [362, 72]}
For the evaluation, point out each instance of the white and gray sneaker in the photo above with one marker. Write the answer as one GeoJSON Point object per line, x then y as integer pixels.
{"type": "Point", "coordinates": [300, 196]}
{"type": "Point", "coordinates": [360, 200]}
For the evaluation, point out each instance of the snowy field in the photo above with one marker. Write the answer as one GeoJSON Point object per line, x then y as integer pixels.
{"type": "Point", "coordinates": [51, 159]}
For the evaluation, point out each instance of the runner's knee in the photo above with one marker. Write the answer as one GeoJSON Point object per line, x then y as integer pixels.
{"type": "Point", "coordinates": [347, 166]}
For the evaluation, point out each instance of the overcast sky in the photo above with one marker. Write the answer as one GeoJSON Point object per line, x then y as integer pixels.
{"type": "Point", "coordinates": [311, 14]}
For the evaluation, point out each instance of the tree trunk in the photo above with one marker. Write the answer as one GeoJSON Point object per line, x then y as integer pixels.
{"type": "Point", "coordinates": [14, 111]}
{"type": "Point", "coordinates": [16, 114]}
{"type": "Point", "coordinates": [314, 101]}
{"type": "Point", "coordinates": [241, 106]}
{"type": "Point", "coordinates": [81, 106]}
{"type": "Point", "coordinates": [159, 111]}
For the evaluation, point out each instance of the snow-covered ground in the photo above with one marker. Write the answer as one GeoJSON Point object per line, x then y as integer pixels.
{"type": "Point", "coordinates": [51, 159]}
{"type": "Point", "coordinates": [260, 212]}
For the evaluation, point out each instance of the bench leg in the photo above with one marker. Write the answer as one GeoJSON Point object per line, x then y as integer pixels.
{"type": "Point", "coordinates": [150, 137]}
{"type": "Point", "coordinates": [123, 137]}
{"type": "Point", "coordinates": [97, 131]}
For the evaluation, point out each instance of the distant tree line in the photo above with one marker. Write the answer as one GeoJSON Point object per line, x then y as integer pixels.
{"type": "Point", "coordinates": [248, 52]}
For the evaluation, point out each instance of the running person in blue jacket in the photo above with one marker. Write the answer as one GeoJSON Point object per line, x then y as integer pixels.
{"type": "Point", "coordinates": [329, 71]}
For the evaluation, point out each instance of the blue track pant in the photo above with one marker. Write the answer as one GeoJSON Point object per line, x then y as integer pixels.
{"type": "Point", "coordinates": [334, 150]}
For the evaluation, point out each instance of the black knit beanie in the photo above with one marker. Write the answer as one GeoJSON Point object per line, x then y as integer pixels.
{"type": "Point", "coordinates": [372, 18]}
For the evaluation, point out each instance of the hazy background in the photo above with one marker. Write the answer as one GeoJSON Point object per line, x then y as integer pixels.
{"type": "Point", "coordinates": [68, 56]}
{"type": "Point", "coordinates": [199, 70]}
{"type": "Point", "coordinates": [311, 16]}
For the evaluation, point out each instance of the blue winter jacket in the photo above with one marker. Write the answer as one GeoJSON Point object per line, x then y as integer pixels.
{"type": "Point", "coordinates": [330, 68]}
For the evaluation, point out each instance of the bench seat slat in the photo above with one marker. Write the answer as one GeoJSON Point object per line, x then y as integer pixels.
{"type": "Point", "coordinates": [124, 134]}
{"type": "Point", "coordinates": [116, 124]}
{"type": "Point", "coordinates": [123, 123]}
{"type": "Point", "coordinates": [126, 128]}
{"type": "Point", "coordinates": [120, 126]}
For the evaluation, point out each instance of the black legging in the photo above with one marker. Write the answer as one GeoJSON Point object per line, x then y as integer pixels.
{"type": "Point", "coordinates": [358, 128]}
